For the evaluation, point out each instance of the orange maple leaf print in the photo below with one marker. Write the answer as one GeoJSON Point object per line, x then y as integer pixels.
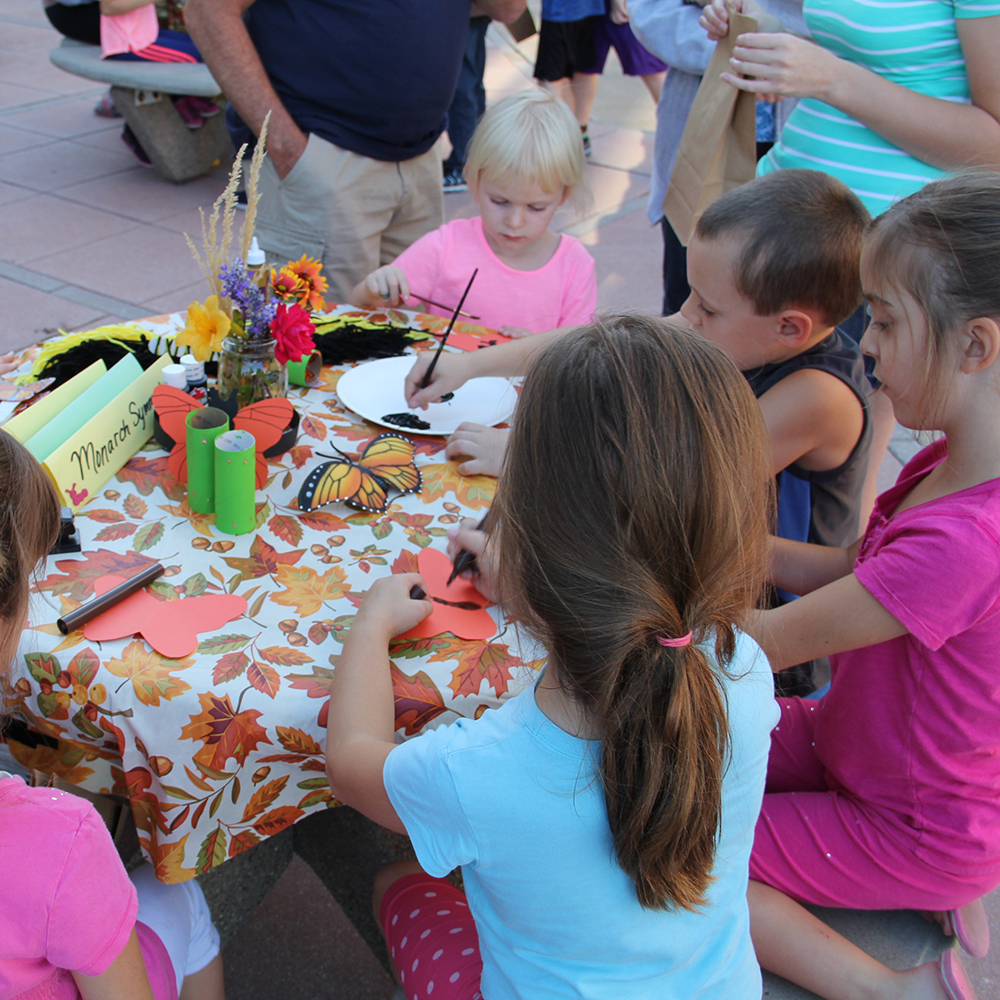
{"type": "Point", "coordinates": [225, 733]}
{"type": "Point", "coordinates": [307, 590]}
{"type": "Point", "coordinates": [168, 859]}
{"type": "Point", "coordinates": [472, 491]}
{"type": "Point", "coordinates": [150, 673]}
{"type": "Point", "coordinates": [478, 661]}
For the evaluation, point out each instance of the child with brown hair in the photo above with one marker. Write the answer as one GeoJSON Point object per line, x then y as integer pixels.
{"type": "Point", "coordinates": [602, 817]}
{"type": "Point", "coordinates": [883, 795]}
{"type": "Point", "coordinates": [73, 926]}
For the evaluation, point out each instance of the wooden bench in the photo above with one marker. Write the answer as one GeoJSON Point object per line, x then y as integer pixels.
{"type": "Point", "coordinates": [140, 90]}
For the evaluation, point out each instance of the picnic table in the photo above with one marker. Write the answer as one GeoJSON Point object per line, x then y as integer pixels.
{"type": "Point", "coordinates": [220, 750]}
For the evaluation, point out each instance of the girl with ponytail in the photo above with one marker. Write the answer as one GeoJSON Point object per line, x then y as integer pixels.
{"type": "Point", "coordinates": [603, 818]}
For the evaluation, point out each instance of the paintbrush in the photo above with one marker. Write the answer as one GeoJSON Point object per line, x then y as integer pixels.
{"type": "Point", "coordinates": [465, 560]}
{"type": "Point", "coordinates": [80, 616]}
{"type": "Point", "coordinates": [438, 305]}
{"type": "Point", "coordinates": [430, 371]}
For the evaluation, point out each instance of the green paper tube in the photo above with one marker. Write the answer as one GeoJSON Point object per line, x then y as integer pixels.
{"type": "Point", "coordinates": [235, 482]}
{"type": "Point", "coordinates": [305, 372]}
{"type": "Point", "coordinates": [204, 425]}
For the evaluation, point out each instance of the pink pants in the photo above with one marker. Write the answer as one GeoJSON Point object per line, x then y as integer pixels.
{"type": "Point", "coordinates": [432, 939]}
{"type": "Point", "coordinates": [829, 849]}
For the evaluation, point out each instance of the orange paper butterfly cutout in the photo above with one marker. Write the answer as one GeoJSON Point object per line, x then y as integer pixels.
{"type": "Point", "coordinates": [465, 622]}
{"type": "Point", "coordinates": [170, 627]}
{"type": "Point", "coordinates": [265, 420]}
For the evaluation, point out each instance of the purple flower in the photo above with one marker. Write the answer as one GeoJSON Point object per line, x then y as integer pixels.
{"type": "Point", "coordinates": [249, 298]}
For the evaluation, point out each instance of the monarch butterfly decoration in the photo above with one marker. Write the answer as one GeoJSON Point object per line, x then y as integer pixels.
{"type": "Point", "coordinates": [266, 420]}
{"type": "Point", "coordinates": [386, 462]}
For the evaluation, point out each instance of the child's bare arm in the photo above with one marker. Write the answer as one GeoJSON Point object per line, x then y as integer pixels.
{"type": "Point", "coordinates": [840, 616]}
{"type": "Point", "coordinates": [813, 419]}
{"type": "Point", "coordinates": [801, 567]}
{"type": "Point", "coordinates": [361, 721]}
{"type": "Point", "coordinates": [124, 979]}
{"type": "Point", "coordinates": [386, 286]}
{"type": "Point", "coordinates": [454, 370]}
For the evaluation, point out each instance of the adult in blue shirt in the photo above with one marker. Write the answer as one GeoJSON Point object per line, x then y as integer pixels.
{"type": "Point", "coordinates": [358, 95]}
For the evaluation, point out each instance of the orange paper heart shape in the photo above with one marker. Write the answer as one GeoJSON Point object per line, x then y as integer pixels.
{"type": "Point", "coordinates": [170, 627]}
{"type": "Point", "coordinates": [435, 568]}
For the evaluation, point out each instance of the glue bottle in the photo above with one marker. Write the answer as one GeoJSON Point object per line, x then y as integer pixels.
{"type": "Point", "coordinates": [175, 375]}
{"type": "Point", "coordinates": [196, 383]}
{"type": "Point", "coordinates": [257, 264]}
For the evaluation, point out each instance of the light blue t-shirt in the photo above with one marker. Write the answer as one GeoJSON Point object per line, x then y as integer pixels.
{"type": "Point", "coordinates": [516, 802]}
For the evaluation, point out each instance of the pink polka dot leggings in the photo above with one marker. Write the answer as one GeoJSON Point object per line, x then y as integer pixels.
{"type": "Point", "coordinates": [432, 939]}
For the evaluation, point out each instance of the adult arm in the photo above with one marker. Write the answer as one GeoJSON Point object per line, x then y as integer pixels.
{"type": "Point", "coordinates": [362, 714]}
{"type": "Point", "coordinates": [840, 616]}
{"type": "Point", "coordinates": [112, 8]}
{"type": "Point", "coordinates": [124, 979]}
{"type": "Point", "coordinates": [223, 40]}
{"type": "Point", "coordinates": [504, 11]}
{"type": "Point", "coordinates": [945, 134]}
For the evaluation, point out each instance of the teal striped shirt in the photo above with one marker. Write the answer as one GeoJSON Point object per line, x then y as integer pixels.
{"type": "Point", "coordinates": [913, 43]}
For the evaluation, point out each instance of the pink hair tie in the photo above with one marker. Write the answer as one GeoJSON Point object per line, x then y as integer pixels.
{"type": "Point", "coordinates": [684, 640]}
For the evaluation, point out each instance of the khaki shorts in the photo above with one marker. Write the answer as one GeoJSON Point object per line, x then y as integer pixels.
{"type": "Point", "coordinates": [352, 212]}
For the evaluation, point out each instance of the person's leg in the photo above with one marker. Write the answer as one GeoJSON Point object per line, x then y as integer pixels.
{"type": "Point", "coordinates": [794, 944]}
{"type": "Point", "coordinates": [334, 205]}
{"type": "Point", "coordinates": [675, 283]}
{"type": "Point", "coordinates": [430, 933]}
{"type": "Point", "coordinates": [420, 207]}
{"type": "Point", "coordinates": [583, 87]}
{"type": "Point", "coordinates": [80, 22]}
{"type": "Point", "coordinates": [654, 84]}
{"type": "Point", "coordinates": [469, 101]}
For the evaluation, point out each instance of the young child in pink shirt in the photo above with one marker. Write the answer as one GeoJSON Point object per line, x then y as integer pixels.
{"type": "Point", "coordinates": [524, 162]}
{"type": "Point", "coordinates": [74, 925]}
{"type": "Point", "coordinates": [884, 794]}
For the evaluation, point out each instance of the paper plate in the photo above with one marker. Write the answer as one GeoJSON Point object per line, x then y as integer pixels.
{"type": "Point", "coordinates": [375, 389]}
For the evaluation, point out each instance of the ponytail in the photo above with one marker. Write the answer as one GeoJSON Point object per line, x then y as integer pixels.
{"type": "Point", "coordinates": [634, 505]}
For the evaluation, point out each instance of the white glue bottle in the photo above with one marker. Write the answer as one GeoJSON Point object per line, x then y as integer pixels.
{"type": "Point", "coordinates": [257, 264]}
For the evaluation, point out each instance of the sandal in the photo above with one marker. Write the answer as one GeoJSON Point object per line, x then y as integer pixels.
{"type": "Point", "coordinates": [971, 926]}
{"type": "Point", "coordinates": [954, 978]}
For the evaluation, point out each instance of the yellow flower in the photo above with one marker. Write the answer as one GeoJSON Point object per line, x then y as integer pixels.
{"type": "Point", "coordinates": [205, 327]}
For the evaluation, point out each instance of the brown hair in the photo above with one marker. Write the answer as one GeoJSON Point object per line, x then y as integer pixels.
{"type": "Point", "coordinates": [941, 245]}
{"type": "Point", "coordinates": [29, 526]}
{"type": "Point", "coordinates": [802, 234]}
{"type": "Point", "coordinates": [633, 504]}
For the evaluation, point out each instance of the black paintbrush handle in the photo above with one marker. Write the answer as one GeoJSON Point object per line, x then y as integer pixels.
{"type": "Point", "coordinates": [465, 560]}
{"type": "Point", "coordinates": [447, 333]}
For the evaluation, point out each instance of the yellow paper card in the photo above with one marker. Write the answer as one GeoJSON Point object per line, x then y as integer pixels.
{"type": "Point", "coordinates": [27, 424]}
{"type": "Point", "coordinates": [92, 455]}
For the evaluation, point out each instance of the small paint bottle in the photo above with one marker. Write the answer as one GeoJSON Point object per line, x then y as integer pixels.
{"type": "Point", "coordinates": [196, 385]}
{"type": "Point", "coordinates": [175, 375]}
{"type": "Point", "coordinates": [257, 264]}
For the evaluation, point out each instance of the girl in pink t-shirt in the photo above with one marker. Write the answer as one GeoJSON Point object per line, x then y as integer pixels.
{"type": "Point", "coordinates": [73, 925]}
{"type": "Point", "coordinates": [524, 162]}
{"type": "Point", "coordinates": [885, 794]}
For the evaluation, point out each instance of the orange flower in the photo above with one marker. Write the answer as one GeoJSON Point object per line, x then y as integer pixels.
{"type": "Point", "coordinates": [313, 284]}
{"type": "Point", "coordinates": [205, 327]}
{"type": "Point", "coordinates": [285, 283]}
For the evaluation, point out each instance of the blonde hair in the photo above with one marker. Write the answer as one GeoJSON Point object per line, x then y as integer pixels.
{"type": "Point", "coordinates": [531, 136]}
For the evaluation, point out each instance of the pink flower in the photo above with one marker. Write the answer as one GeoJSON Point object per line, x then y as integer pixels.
{"type": "Point", "coordinates": [293, 330]}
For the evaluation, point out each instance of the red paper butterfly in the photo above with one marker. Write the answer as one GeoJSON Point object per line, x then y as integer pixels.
{"type": "Point", "coordinates": [170, 627]}
{"type": "Point", "coordinates": [265, 420]}
{"type": "Point", "coordinates": [459, 609]}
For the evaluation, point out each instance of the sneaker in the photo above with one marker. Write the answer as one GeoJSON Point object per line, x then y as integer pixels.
{"type": "Point", "coordinates": [586, 145]}
{"type": "Point", "coordinates": [105, 108]}
{"type": "Point", "coordinates": [454, 182]}
{"type": "Point", "coordinates": [189, 116]}
{"type": "Point", "coordinates": [204, 106]}
{"type": "Point", "coordinates": [128, 137]}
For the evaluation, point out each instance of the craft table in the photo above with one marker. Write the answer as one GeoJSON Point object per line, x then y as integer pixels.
{"type": "Point", "coordinates": [223, 749]}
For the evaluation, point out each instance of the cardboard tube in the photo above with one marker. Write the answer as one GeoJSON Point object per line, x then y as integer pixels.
{"type": "Point", "coordinates": [204, 425]}
{"type": "Point", "coordinates": [82, 615]}
{"type": "Point", "coordinates": [235, 482]}
{"type": "Point", "coordinates": [305, 372]}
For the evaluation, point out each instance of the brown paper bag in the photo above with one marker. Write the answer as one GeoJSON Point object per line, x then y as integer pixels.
{"type": "Point", "coordinates": [718, 146]}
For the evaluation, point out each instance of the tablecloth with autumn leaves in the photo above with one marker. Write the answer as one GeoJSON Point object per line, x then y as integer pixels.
{"type": "Point", "coordinates": [222, 749]}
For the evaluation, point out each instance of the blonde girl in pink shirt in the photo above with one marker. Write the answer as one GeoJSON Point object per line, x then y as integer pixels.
{"type": "Point", "coordinates": [885, 794]}
{"type": "Point", "coordinates": [525, 161]}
